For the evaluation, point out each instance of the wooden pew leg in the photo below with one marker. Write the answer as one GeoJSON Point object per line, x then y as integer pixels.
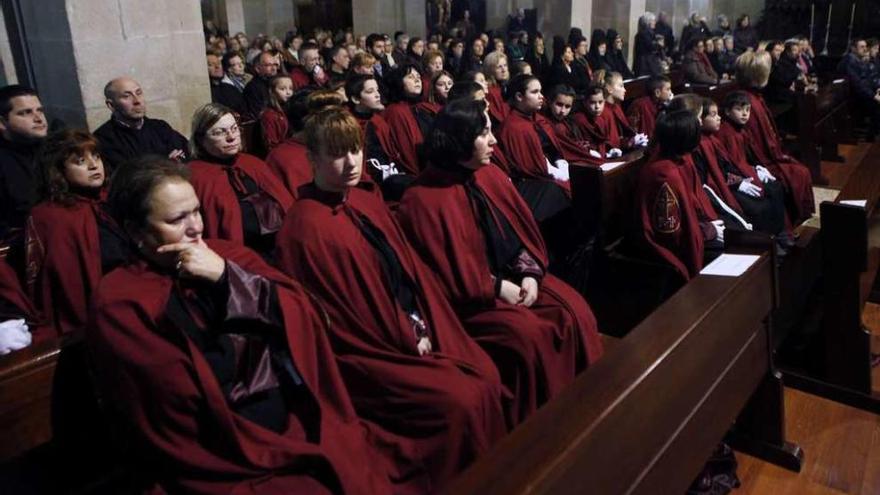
{"type": "Point", "coordinates": [760, 429]}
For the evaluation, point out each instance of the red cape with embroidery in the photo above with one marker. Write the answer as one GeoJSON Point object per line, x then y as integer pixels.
{"type": "Point", "coordinates": [64, 261]}
{"type": "Point", "coordinates": [669, 220]}
{"type": "Point", "coordinates": [405, 134]}
{"type": "Point", "coordinates": [220, 209]}
{"type": "Point", "coordinates": [642, 115]}
{"type": "Point", "coordinates": [538, 349]}
{"type": "Point", "coordinates": [447, 403]}
{"type": "Point", "coordinates": [184, 427]}
{"type": "Point", "coordinates": [763, 141]}
{"type": "Point", "coordinates": [290, 163]}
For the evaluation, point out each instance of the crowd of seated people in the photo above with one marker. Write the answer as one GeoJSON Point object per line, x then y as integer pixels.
{"type": "Point", "coordinates": [374, 281]}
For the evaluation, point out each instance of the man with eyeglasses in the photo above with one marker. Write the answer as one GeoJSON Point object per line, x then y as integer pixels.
{"type": "Point", "coordinates": [309, 72]}
{"type": "Point", "coordinates": [130, 133]}
{"type": "Point", "coordinates": [256, 93]}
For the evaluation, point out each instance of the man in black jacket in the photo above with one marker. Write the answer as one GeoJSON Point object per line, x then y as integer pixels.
{"type": "Point", "coordinates": [130, 133]}
{"type": "Point", "coordinates": [23, 126]}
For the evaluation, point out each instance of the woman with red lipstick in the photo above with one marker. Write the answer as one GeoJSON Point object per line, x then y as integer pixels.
{"type": "Point", "coordinates": [470, 225]}
{"type": "Point", "coordinates": [242, 200]}
{"type": "Point", "coordinates": [71, 240]}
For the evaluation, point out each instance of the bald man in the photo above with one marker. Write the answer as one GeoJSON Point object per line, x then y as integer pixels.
{"type": "Point", "coordinates": [130, 133]}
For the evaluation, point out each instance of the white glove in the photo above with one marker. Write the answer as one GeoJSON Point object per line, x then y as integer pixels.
{"type": "Point", "coordinates": [14, 335]}
{"type": "Point", "coordinates": [746, 187]}
{"type": "Point", "coordinates": [641, 139]}
{"type": "Point", "coordinates": [614, 153]}
{"type": "Point", "coordinates": [719, 229]}
{"type": "Point", "coordinates": [595, 154]}
{"type": "Point", "coordinates": [559, 171]}
{"type": "Point", "coordinates": [764, 174]}
{"type": "Point", "coordinates": [387, 169]}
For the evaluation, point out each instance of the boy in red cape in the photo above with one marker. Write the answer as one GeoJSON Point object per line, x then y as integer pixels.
{"type": "Point", "coordinates": [558, 112]}
{"type": "Point", "coordinates": [409, 365]}
{"type": "Point", "coordinates": [217, 364]}
{"type": "Point", "coordinates": [475, 231]}
{"type": "Point", "coordinates": [752, 73]}
{"type": "Point", "coordinates": [615, 93]}
{"type": "Point", "coordinates": [642, 113]}
{"type": "Point", "coordinates": [672, 226]}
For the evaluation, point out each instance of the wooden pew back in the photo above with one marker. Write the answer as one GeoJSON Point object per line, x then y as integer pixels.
{"type": "Point", "coordinates": [645, 418]}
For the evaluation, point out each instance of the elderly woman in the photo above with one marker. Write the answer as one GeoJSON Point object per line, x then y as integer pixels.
{"type": "Point", "coordinates": [216, 363]}
{"type": "Point", "coordinates": [72, 240]}
{"type": "Point", "coordinates": [242, 200]}
{"type": "Point", "coordinates": [696, 64]}
{"type": "Point", "coordinates": [470, 224]}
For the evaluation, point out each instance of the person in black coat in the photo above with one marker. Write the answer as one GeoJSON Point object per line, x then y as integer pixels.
{"type": "Point", "coordinates": [664, 27]}
{"type": "Point", "coordinates": [130, 133]}
{"type": "Point", "coordinates": [536, 56]}
{"type": "Point", "coordinates": [615, 56]}
{"type": "Point", "coordinates": [744, 35]}
{"type": "Point", "coordinates": [225, 94]}
{"type": "Point", "coordinates": [644, 51]}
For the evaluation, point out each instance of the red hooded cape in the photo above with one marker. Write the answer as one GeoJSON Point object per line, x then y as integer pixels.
{"type": "Point", "coordinates": [733, 142]}
{"type": "Point", "coordinates": [291, 164]}
{"type": "Point", "coordinates": [601, 132]}
{"type": "Point", "coordinates": [405, 135]}
{"type": "Point", "coordinates": [12, 294]}
{"type": "Point", "coordinates": [301, 79]}
{"type": "Point", "coordinates": [220, 209]}
{"type": "Point", "coordinates": [521, 145]}
{"type": "Point", "coordinates": [670, 223]}
{"type": "Point", "coordinates": [624, 129]}
{"type": "Point", "coordinates": [447, 403]}
{"type": "Point", "coordinates": [763, 140]}
{"type": "Point", "coordinates": [539, 349]}
{"type": "Point", "coordinates": [710, 149]}
{"type": "Point", "coordinates": [498, 108]}
{"type": "Point", "coordinates": [642, 115]}
{"type": "Point", "coordinates": [189, 438]}
{"type": "Point", "coordinates": [64, 261]}
{"type": "Point", "coordinates": [273, 126]}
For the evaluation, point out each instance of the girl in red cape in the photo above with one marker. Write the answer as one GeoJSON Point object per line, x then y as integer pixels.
{"type": "Point", "coordinates": [274, 126]}
{"type": "Point", "coordinates": [597, 124]}
{"type": "Point", "coordinates": [242, 200]}
{"type": "Point", "coordinates": [216, 364]}
{"type": "Point", "coordinates": [752, 73]}
{"type": "Point", "coordinates": [405, 93]}
{"type": "Point", "coordinates": [472, 227]}
{"type": "Point", "coordinates": [409, 365]}
{"type": "Point", "coordinates": [558, 113]}
{"type": "Point", "coordinates": [674, 228]}
{"type": "Point", "coordinates": [71, 240]}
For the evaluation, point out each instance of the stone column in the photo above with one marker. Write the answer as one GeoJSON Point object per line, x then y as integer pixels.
{"type": "Point", "coordinates": [388, 16]}
{"type": "Point", "coordinates": [269, 17]}
{"type": "Point", "coordinates": [78, 46]}
{"type": "Point", "coordinates": [234, 16]}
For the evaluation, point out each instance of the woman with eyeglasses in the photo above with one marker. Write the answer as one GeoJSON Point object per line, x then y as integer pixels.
{"type": "Point", "coordinates": [242, 200]}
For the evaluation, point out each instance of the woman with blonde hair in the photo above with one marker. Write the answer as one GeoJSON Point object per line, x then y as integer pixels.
{"type": "Point", "coordinates": [497, 72]}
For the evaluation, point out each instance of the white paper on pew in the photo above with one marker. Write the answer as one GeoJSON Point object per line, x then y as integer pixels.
{"type": "Point", "coordinates": [609, 166]}
{"type": "Point", "coordinates": [855, 202]}
{"type": "Point", "coordinates": [730, 265]}
{"type": "Point", "coordinates": [837, 81]}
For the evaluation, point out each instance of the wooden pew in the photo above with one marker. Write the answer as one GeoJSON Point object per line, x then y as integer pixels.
{"type": "Point", "coordinates": [823, 122]}
{"type": "Point", "coordinates": [635, 89]}
{"type": "Point", "coordinates": [647, 416]}
{"type": "Point", "coordinates": [841, 366]}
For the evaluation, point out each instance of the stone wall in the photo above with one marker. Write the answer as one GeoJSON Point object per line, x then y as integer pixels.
{"type": "Point", "coordinates": [77, 46]}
